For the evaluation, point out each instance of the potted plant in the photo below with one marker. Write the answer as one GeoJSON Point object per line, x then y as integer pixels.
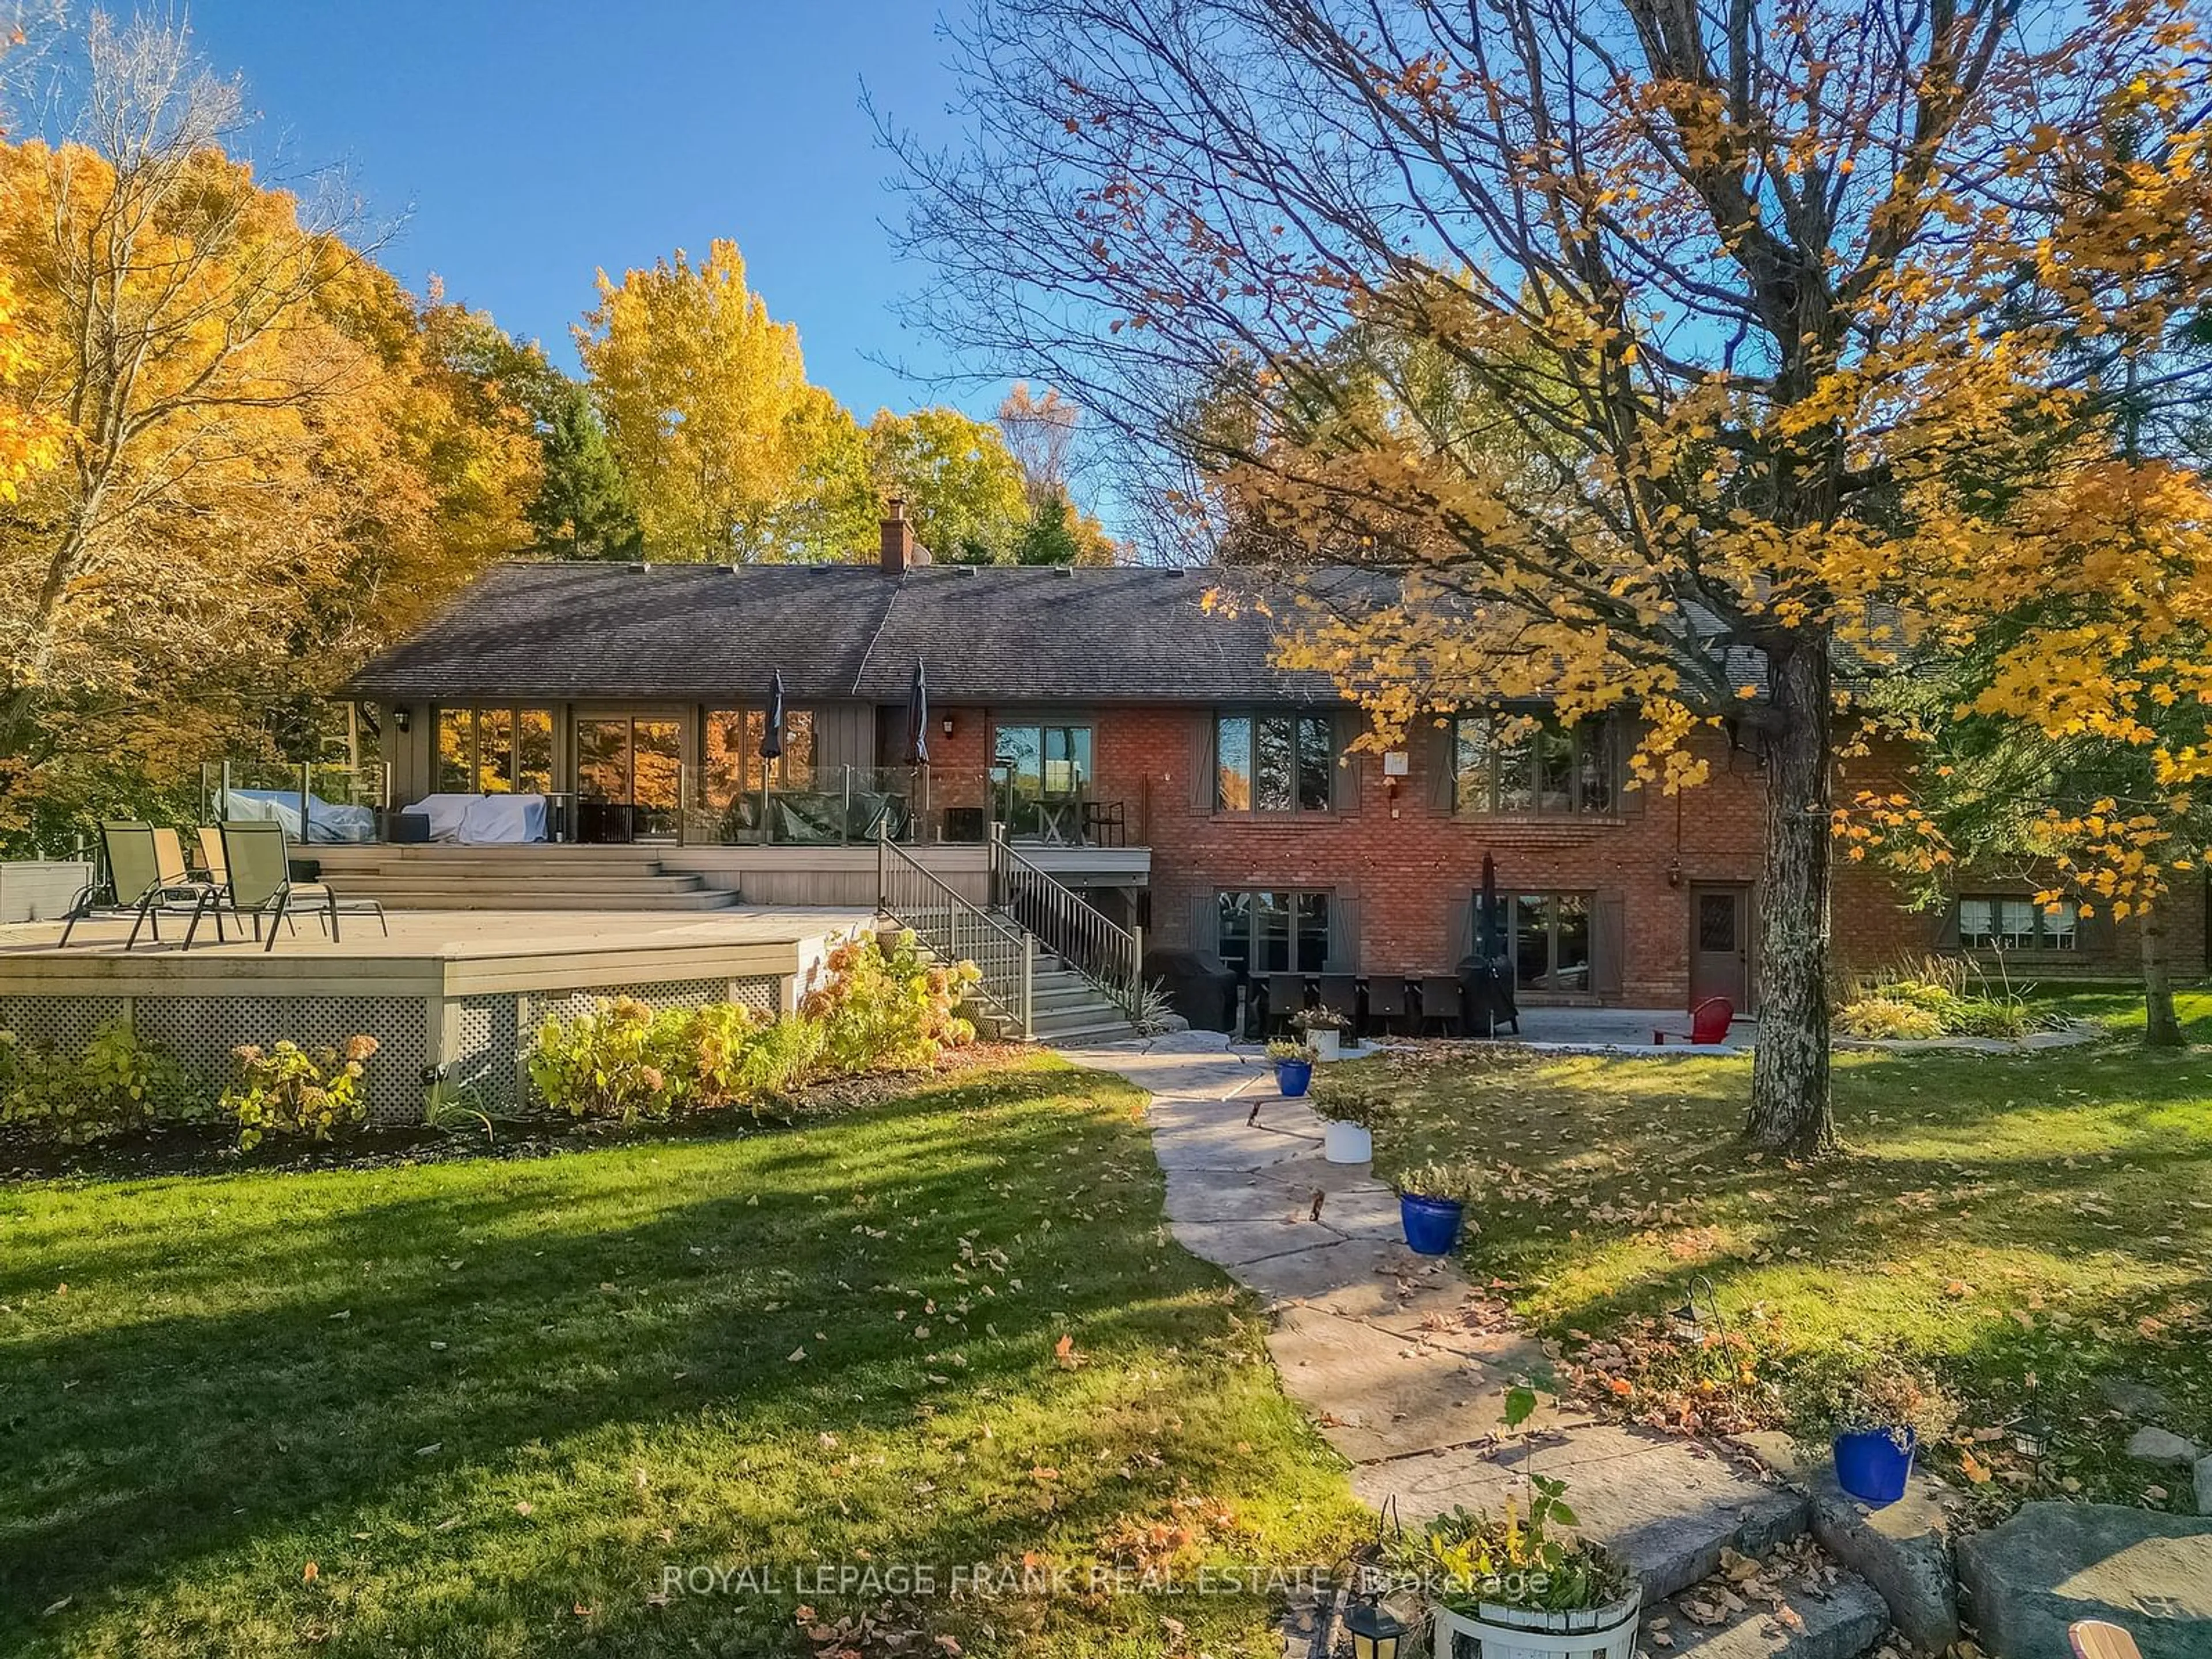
{"type": "Point", "coordinates": [1432, 1206]}
{"type": "Point", "coordinates": [1875, 1417]}
{"type": "Point", "coordinates": [1346, 1126]}
{"type": "Point", "coordinates": [1323, 1030]}
{"type": "Point", "coordinates": [1514, 1588]}
{"type": "Point", "coordinates": [1294, 1064]}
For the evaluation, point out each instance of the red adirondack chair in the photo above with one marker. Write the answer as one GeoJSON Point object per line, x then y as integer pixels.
{"type": "Point", "coordinates": [1709, 1023]}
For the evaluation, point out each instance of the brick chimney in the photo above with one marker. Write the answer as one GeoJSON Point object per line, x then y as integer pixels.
{"type": "Point", "coordinates": [901, 551]}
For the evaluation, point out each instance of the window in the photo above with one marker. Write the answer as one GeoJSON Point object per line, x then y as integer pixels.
{"type": "Point", "coordinates": [1273, 931]}
{"type": "Point", "coordinates": [494, 751]}
{"type": "Point", "coordinates": [734, 766]}
{"type": "Point", "coordinates": [1273, 763]}
{"type": "Point", "coordinates": [1045, 761]}
{"type": "Point", "coordinates": [1550, 941]}
{"type": "Point", "coordinates": [2005, 921]}
{"type": "Point", "coordinates": [1519, 764]}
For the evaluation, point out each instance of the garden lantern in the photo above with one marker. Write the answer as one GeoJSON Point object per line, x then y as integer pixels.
{"type": "Point", "coordinates": [1684, 1320]}
{"type": "Point", "coordinates": [1374, 1631]}
{"type": "Point", "coordinates": [2031, 1437]}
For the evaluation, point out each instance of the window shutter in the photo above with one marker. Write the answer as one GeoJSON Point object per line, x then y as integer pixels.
{"type": "Point", "coordinates": [2097, 934]}
{"type": "Point", "coordinates": [1437, 758]}
{"type": "Point", "coordinates": [1947, 925]}
{"type": "Point", "coordinates": [1204, 922]}
{"type": "Point", "coordinates": [1609, 946]}
{"type": "Point", "coordinates": [1459, 931]}
{"type": "Point", "coordinates": [1343, 936]}
{"type": "Point", "coordinates": [1347, 781]}
{"type": "Point", "coordinates": [1202, 780]}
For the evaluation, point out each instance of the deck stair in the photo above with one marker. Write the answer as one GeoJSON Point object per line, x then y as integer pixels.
{"type": "Point", "coordinates": [1045, 989]}
{"type": "Point", "coordinates": [529, 878]}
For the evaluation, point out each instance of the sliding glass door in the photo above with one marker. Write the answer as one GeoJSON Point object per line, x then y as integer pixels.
{"type": "Point", "coordinates": [630, 776]}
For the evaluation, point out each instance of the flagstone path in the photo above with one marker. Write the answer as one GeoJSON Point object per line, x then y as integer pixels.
{"type": "Point", "coordinates": [1402, 1363]}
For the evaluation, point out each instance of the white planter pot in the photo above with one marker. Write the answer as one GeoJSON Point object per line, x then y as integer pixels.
{"type": "Point", "coordinates": [1509, 1633]}
{"type": "Point", "coordinates": [1346, 1143]}
{"type": "Point", "coordinates": [1324, 1041]}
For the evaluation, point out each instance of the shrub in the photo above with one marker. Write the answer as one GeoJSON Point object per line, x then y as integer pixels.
{"type": "Point", "coordinates": [888, 1010]}
{"type": "Point", "coordinates": [1458, 1183]}
{"type": "Point", "coordinates": [1888, 1017]}
{"type": "Point", "coordinates": [1879, 1390]}
{"type": "Point", "coordinates": [782, 1057]}
{"type": "Point", "coordinates": [286, 1091]}
{"type": "Point", "coordinates": [116, 1084]}
{"type": "Point", "coordinates": [610, 1063]}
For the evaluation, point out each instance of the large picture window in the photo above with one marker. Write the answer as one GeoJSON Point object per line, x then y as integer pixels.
{"type": "Point", "coordinates": [1550, 941]}
{"type": "Point", "coordinates": [734, 768]}
{"type": "Point", "coordinates": [1273, 930]}
{"type": "Point", "coordinates": [1522, 765]}
{"type": "Point", "coordinates": [2007, 922]}
{"type": "Point", "coordinates": [494, 751]}
{"type": "Point", "coordinates": [1273, 763]}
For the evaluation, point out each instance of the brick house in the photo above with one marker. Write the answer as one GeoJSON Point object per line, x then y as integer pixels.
{"type": "Point", "coordinates": [1139, 738]}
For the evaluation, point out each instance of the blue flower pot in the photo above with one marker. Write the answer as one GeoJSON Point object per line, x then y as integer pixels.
{"type": "Point", "coordinates": [1294, 1077]}
{"type": "Point", "coordinates": [1870, 1466]}
{"type": "Point", "coordinates": [1431, 1224]}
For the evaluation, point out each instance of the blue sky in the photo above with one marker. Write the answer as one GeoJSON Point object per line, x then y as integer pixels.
{"type": "Point", "coordinates": [528, 142]}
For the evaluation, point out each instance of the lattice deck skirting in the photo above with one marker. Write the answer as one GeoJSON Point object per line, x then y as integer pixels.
{"type": "Point", "coordinates": [474, 1042]}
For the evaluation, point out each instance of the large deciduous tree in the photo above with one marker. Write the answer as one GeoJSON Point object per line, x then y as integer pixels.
{"type": "Point", "coordinates": [269, 456]}
{"type": "Point", "coordinates": [960, 485]}
{"type": "Point", "coordinates": [728, 449]}
{"type": "Point", "coordinates": [1756, 319]}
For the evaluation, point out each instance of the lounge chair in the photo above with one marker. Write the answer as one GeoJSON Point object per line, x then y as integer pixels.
{"type": "Point", "coordinates": [178, 878]}
{"type": "Point", "coordinates": [1709, 1023]}
{"type": "Point", "coordinates": [138, 885]}
{"type": "Point", "coordinates": [256, 856]}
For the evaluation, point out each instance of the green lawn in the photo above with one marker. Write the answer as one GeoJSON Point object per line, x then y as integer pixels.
{"type": "Point", "coordinates": [2119, 1008]}
{"type": "Point", "coordinates": [2001, 1217]}
{"type": "Point", "coordinates": [492, 1401]}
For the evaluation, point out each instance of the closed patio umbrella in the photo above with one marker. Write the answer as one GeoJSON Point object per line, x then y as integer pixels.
{"type": "Point", "coordinates": [772, 736]}
{"type": "Point", "coordinates": [1489, 914]}
{"type": "Point", "coordinates": [917, 716]}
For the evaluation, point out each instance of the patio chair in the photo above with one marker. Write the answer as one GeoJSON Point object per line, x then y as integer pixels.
{"type": "Point", "coordinates": [258, 856]}
{"type": "Point", "coordinates": [1709, 1023]}
{"type": "Point", "coordinates": [1286, 995]}
{"type": "Point", "coordinates": [1386, 1001]}
{"type": "Point", "coordinates": [1340, 992]}
{"type": "Point", "coordinates": [2093, 1638]}
{"type": "Point", "coordinates": [1440, 1004]}
{"type": "Point", "coordinates": [135, 886]}
{"type": "Point", "coordinates": [177, 877]}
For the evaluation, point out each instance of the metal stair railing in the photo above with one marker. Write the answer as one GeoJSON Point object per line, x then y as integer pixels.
{"type": "Point", "coordinates": [958, 931]}
{"type": "Point", "coordinates": [1107, 954]}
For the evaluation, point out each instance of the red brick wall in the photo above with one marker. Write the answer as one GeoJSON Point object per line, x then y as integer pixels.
{"type": "Point", "coordinates": [1409, 866]}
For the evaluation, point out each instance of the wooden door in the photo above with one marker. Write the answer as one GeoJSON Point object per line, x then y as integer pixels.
{"type": "Point", "coordinates": [1720, 945]}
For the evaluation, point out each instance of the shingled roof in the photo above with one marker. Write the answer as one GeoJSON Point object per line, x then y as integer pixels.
{"type": "Point", "coordinates": [697, 633]}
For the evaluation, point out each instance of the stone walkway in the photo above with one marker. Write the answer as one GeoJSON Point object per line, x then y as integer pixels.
{"type": "Point", "coordinates": [1400, 1361]}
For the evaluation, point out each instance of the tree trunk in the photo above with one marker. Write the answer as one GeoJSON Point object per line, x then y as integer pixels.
{"type": "Point", "coordinates": [1790, 1108]}
{"type": "Point", "coordinates": [2161, 1026]}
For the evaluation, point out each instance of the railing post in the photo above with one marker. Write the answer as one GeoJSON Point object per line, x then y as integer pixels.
{"type": "Point", "coordinates": [1029, 988]}
{"type": "Point", "coordinates": [1137, 951]}
{"type": "Point", "coordinates": [883, 878]}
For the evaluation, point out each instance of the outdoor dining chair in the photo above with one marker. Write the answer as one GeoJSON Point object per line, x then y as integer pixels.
{"type": "Point", "coordinates": [1286, 995]}
{"type": "Point", "coordinates": [1339, 994]}
{"type": "Point", "coordinates": [1386, 1001]}
{"type": "Point", "coordinates": [1441, 1004]}
{"type": "Point", "coordinates": [134, 885]}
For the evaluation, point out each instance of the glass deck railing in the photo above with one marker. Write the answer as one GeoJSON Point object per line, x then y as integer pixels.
{"type": "Point", "coordinates": [315, 801]}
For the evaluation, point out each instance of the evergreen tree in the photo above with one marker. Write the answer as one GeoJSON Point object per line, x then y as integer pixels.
{"type": "Point", "coordinates": [582, 511]}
